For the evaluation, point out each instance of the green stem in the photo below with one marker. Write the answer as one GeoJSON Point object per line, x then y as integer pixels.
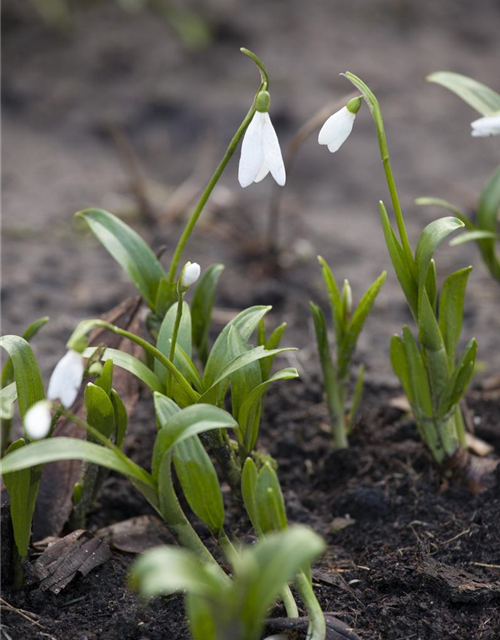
{"type": "Point", "coordinates": [334, 402]}
{"type": "Point", "coordinates": [173, 342]}
{"type": "Point", "coordinates": [227, 548]}
{"type": "Point", "coordinates": [210, 186]}
{"type": "Point", "coordinates": [289, 602]}
{"type": "Point", "coordinates": [317, 624]}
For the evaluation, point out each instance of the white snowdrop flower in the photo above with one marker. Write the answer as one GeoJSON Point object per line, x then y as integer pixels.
{"type": "Point", "coordinates": [190, 274]}
{"type": "Point", "coordinates": [260, 150]}
{"type": "Point", "coordinates": [487, 126]}
{"type": "Point", "coordinates": [66, 378]}
{"type": "Point", "coordinates": [338, 127]}
{"type": "Point", "coordinates": [37, 420]}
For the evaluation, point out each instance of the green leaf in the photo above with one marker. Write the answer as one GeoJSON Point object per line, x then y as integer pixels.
{"type": "Point", "coordinates": [458, 382]}
{"type": "Point", "coordinates": [131, 364]}
{"type": "Point", "coordinates": [31, 331]}
{"type": "Point", "coordinates": [489, 204]}
{"type": "Point", "coordinates": [245, 322]}
{"type": "Point", "coordinates": [477, 95]}
{"type": "Point", "coordinates": [28, 378]}
{"type": "Point", "coordinates": [186, 423]}
{"type": "Point", "coordinates": [431, 341]}
{"type": "Point", "coordinates": [8, 397]}
{"type": "Point", "coordinates": [53, 449]}
{"type": "Point", "coordinates": [468, 236]}
{"type": "Point", "coordinates": [335, 300]}
{"type": "Point", "coordinates": [269, 503]}
{"type": "Point", "coordinates": [165, 337]}
{"type": "Point", "coordinates": [201, 308]}
{"type": "Point", "coordinates": [129, 250]}
{"type": "Point", "coordinates": [421, 392]}
{"type": "Point", "coordinates": [273, 342]}
{"type": "Point", "coordinates": [165, 296]}
{"type": "Point", "coordinates": [100, 410]}
{"type": "Point", "coordinates": [356, 399]}
{"type": "Point", "coordinates": [250, 410]}
{"type": "Point", "coordinates": [121, 417]}
{"type": "Point", "coordinates": [431, 284]}
{"type": "Point", "coordinates": [22, 486]}
{"type": "Point", "coordinates": [200, 483]}
{"type": "Point", "coordinates": [396, 254]}
{"type": "Point", "coordinates": [400, 366]}
{"type": "Point", "coordinates": [249, 479]}
{"type": "Point", "coordinates": [245, 379]}
{"type": "Point", "coordinates": [165, 408]}
{"type": "Point", "coordinates": [105, 380]}
{"type": "Point", "coordinates": [321, 332]}
{"type": "Point", "coordinates": [439, 202]}
{"type": "Point", "coordinates": [430, 238]}
{"type": "Point", "coordinates": [451, 310]}
{"type": "Point", "coordinates": [167, 569]}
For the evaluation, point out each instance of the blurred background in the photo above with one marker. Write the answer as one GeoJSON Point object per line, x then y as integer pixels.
{"type": "Point", "coordinates": [129, 104]}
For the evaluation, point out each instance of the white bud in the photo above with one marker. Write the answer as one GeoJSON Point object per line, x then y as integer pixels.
{"type": "Point", "coordinates": [347, 296]}
{"type": "Point", "coordinates": [37, 420]}
{"type": "Point", "coordinates": [337, 129]}
{"type": "Point", "coordinates": [487, 126]}
{"type": "Point", "coordinates": [66, 378]}
{"type": "Point", "coordinates": [191, 274]}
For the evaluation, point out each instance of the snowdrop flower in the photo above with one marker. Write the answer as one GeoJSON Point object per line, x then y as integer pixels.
{"type": "Point", "coordinates": [66, 378]}
{"type": "Point", "coordinates": [37, 420]}
{"type": "Point", "coordinates": [487, 126]}
{"type": "Point", "coordinates": [338, 127]}
{"type": "Point", "coordinates": [260, 150]}
{"type": "Point", "coordinates": [190, 274]}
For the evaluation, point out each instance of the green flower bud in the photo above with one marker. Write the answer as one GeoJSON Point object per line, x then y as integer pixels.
{"type": "Point", "coordinates": [354, 105]}
{"type": "Point", "coordinates": [263, 101]}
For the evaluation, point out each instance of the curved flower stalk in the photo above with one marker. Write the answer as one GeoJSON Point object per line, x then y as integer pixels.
{"type": "Point", "coordinates": [484, 229]}
{"type": "Point", "coordinates": [348, 325]}
{"type": "Point", "coordinates": [432, 378]}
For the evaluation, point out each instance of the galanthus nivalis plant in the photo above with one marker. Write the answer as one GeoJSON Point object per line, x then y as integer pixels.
{"type": "Point", "coordinates": [338, 127]}
{"type": "Point", "coordinates": [483, 230]}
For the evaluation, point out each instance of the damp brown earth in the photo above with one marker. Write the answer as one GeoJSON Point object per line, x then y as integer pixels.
{"type": "Point", "coordinates": [408, 556]}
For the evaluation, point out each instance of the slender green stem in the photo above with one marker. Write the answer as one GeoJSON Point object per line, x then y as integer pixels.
{"type": "Point", "coordinates": [334, 402]}
{"type": "Point", "coordinates": [228, 548]}
{"type": "Point", "coordinates": [208, 190]}
{"type": "Point", "coordinates": [317, 624]}
{"type": "Point", "coordinates": [289, 602]}
{"type": "Point", "coordinates": [173, 343]}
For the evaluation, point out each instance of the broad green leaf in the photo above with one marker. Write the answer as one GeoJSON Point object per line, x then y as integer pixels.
{"type": "Point", "coordinates": [489, 204]}
{"type": "Point", "coordinates": [22, 486]}
{"type": "Point", "coordinates": [451, 310]}
{"type": "Point", "coordinates": [400, 366]}
{"type": "Point", "coordinates": [469, 236]}
{"type": "Point", "coordinates": [27, 375]}
{"type": "Point", "coordinates": [458, 382]}
{"type": "Point", "coordinates": [121, 417]}
{"type": "Point", "coordinates": [165, 297]}
{"type": "Point", "coordinates": [269, 503]}
{"type": "Point", "coordinates": [244, 380]}
{"type": "Point", "coordinates": [431, 284]}
{"type": "Point", "coordinates": [53, 449]}
{"type": "Point", "coordinates": [186, 423]}
{"type": "Point", "coordinates": [128, 249]}
{"type": "Point", "coordinates": [167, 569]}
{"type": "Point", "coordinates": [200, 483]}
{"type": "Point", "coordinates": [165, 336]}
{"type": "Point", "coordinates": [430, 238]}
{"type": "Point", "coordinates": [131, 364]}
{"type": "Point", "coordinates": [250, 410]}
{"type": "Point", "coordinates": [8, 397]}
{"type": "Point", "coordinates": [335, 300]}
{"type": "Point", "coordinates": [356, 399]}
{"type": "Point", "coordinates": [431, 341]}
{"type": "Point", "coordinates": [246, 323]}
{"type": "Point", "coordinates": [188, 368]}
{"type": "Point", "coordinates": [273, 342]}
{"type": "Point", "coordinates": [321, 333]}
{"type": "Point", "coordinates": [31, 331]}
{"type": "Point", "coordinates": [249, 479]}
{"type": "Point", "coordinates": [439, 202]}
{"type": "Point", "coordinates": [201, 308]}
{"type": "Point", "coordinates": [199, 613]}
{"type": "Point", "coordinates": [100, 410]}
{"type": "Point", "coordinates": [399, 263]}
{"type": "Point", "coordinates": [105, 380]}
{"type": "Point", "coordinates": [474, 93]}
{"type": "Point", "coordinates": [165, 408]}
{"type": "Point", "coordinates": [421, 392]}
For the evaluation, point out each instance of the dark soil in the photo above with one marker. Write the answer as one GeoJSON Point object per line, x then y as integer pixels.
{"type": "Point", "coordinates": [420, 559]}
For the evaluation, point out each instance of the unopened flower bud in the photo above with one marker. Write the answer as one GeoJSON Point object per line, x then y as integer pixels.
{"type": "Point", "coordinates": [66, 378]}
{"type": "Point", "coordinates": [190, 274]}
{"type": "Point", "coordinates": [37, 420]}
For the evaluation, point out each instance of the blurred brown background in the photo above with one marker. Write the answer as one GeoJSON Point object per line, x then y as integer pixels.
{"type": "Point", "coordinates": [167, 81]}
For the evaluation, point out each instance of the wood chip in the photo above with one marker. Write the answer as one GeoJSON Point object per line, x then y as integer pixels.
{"type": "Point", "coordinates": [457, 584]}
{"type": "Point", "coordinates": [136, 535]}
{"type": "Point", "coordinates": [478, 446]}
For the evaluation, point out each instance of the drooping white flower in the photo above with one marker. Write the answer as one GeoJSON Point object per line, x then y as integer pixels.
{"type": "Point", "coordinates": [487, 126]}
{"type": "Point", "coordinates": [260, 150]}
{"type": "Point", "coordinates": [37, 420]}
{"type": "Point", "coordinates": [190, 274]}
{"type": "Point", "coordinates": [338, 127]}
{"type": "Point", "coordinates": [66, 378]}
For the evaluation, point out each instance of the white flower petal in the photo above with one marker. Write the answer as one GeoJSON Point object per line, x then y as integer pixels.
{"type": "Point", "coordinates": [272, 152]}
{"type": "Point", "coordinates": [66, 378]}
{"type": "Point", "coordinates": [252, 157]}
{"type": "Point", "coordinates": [191, 274]}
{"type": "Point", "coordinates": [336, 129]}
{"type": "Point", "coordinates": [487, 126]}
{"type": "Point", "coordinates": [37, 420]}
{"type": "Point", "coordinates": [264, 170]}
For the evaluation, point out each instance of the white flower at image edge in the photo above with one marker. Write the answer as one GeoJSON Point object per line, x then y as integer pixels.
{"type": "Point", "coordinates": [66, 378]}
{"type": "Point", "coordinates": [336, 129]}
{"type": "Point", "coordinates": [191, 274]}
{"type": "Point", "coordinates": [260, 152]}
{"type": "Point", "coordinates": [487, 126]}
{"type": "Point", "coordinates": [37, 420]}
